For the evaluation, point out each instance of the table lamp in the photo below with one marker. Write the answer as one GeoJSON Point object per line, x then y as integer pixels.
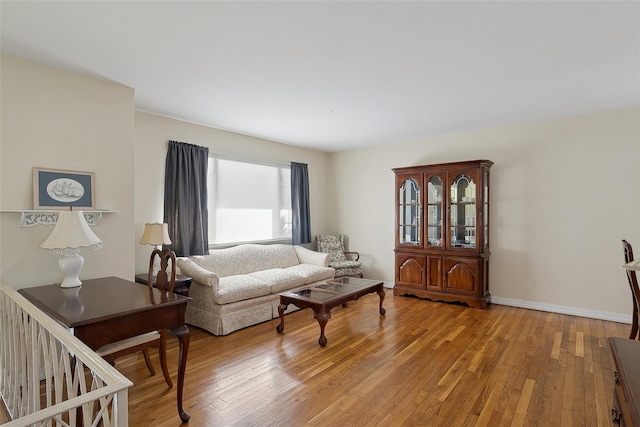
{"type": "Point", "coordinates": [69, 237]}
{"type": "Point", "coordinates": [156, 235]}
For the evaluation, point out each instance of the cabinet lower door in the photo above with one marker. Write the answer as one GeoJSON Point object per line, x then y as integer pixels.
{"type": "Point", "coordinates": [410, 271]}
{"type": "Point", "coordinates": [462, 276]}
{"type": "Point", "coordinates": [434, 273]}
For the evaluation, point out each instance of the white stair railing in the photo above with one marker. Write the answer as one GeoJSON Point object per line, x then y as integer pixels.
{"type": "Point", "coordinates": [48, 377]}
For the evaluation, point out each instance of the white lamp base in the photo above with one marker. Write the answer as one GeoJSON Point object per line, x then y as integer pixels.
{"type": "Point", "coordinates": [71, 266]}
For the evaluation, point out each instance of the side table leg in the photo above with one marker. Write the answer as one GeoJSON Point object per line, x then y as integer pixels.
{"type": "Point", "coordinates": [281, 309]}
{"type": "Point", "coordinates": [163, 357]}
{"type": "Point", "coordinates": [381, 294]}
{"type": "Point", "coordinates": [322, 319]}
{"type": "Point", "coordinates": [183, 337]}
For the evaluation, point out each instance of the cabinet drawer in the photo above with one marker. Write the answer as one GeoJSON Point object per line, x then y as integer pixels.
{"type": "Point", "coordinates": [626, 374]}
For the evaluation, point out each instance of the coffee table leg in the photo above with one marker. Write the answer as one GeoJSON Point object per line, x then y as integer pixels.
{"type": "Point", "coordinates": [281, 309]}
{"type": "Point", "coordinates": [381, 294]}
{"type": "Point", "coordinates": [322, 319]}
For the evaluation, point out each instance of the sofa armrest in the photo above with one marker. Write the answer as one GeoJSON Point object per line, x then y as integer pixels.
{"type": "Point", "coordinates": [307, 256]}
{"type": "Point", "coordinates": [197, 273]}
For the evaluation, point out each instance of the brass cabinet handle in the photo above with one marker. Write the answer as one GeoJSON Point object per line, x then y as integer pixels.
{"type": "Point", "coordinates": [615, 416]}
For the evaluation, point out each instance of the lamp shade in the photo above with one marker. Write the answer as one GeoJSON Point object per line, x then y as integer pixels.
{"type": "Point", "coordinates": [71, 233]}
{"type": "Point", "coordinates": [633, 265]}
{"type": "Point", "coordinates": [155, 234]}
{"type": "Point", "coordinates": [69, 237]}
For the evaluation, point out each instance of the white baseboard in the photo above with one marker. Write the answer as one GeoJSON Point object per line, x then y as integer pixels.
{"type": "Point", "coordinates": [553, 308]}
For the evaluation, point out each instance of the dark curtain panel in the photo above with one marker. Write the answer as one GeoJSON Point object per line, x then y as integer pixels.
{"type": "Point", "coordinates": [185, 198]}
{"type": "Point", "coordinates": [301, 230]}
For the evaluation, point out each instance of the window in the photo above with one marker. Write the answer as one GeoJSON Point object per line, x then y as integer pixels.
{"type": "Point", "coordinates": [248, 202]}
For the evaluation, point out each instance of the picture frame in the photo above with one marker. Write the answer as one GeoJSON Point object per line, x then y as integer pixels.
{"type": "Point", "coordinates": [58, 189]}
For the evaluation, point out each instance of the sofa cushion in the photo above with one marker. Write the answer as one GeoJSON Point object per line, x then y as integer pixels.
{"type": "Point", "coordinates": [279, 279]}
{"type": "Point", "coordinates": [312, 273]}
{"type": "Point", "coordinates": [240, 287]}
{"type": "Point", "coordinates": [243, 259]}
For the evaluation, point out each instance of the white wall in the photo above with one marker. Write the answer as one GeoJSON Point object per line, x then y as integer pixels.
{"type": "Point", "coordinates": [63, 120]}
{"type": "Point", "coordinates": [564, 192]}
{"type": "Point", "coordinates": [563, 196]}
{"type": "Point", "coordinates": [152, 135]}
{"type": "Point", "coordinates": [57, 119]}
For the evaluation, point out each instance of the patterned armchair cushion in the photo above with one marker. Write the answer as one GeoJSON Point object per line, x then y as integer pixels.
{"type": "Point", "coordinates": [345, 264]}
{"type": "Point", "coordinates": [332, 245]}
{"type": "Point", "coordinates": [353, 272]}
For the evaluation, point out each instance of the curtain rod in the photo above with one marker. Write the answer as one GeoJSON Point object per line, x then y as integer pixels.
{"type": "Point", "coordinates": [245, 160]}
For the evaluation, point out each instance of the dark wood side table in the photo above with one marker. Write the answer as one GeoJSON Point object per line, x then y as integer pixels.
{"type": "Point", "coordinates": [182, 285]}
{"type": "Point", "coordinates": [626, 394]}
{"type": "Point", "coordinates": [106, 310]}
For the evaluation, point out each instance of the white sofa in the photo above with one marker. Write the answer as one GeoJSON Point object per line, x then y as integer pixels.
{"type": "Point", "coordinates": [238, 287]}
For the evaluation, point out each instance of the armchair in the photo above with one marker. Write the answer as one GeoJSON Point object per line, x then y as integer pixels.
{"type": "Point", "coordinates": [339, 259]}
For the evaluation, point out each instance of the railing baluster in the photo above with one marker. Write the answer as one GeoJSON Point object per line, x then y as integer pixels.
{"type": "Point", "coordinates": [36, 352]}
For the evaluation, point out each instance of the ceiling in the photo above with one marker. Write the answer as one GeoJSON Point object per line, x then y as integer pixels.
{"type": "Point", "coordinates": [333, 75]}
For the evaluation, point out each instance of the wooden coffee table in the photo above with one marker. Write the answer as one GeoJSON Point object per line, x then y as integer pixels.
{"type": "Point", "coordinates": [321, 298]}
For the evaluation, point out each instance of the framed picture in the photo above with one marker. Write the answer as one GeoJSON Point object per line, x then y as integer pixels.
{"type": "Point", "coordinates": [62, 189]}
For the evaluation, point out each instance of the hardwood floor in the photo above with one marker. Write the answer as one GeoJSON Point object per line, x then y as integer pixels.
{"type": "Point", "coordinates": [424, 363]}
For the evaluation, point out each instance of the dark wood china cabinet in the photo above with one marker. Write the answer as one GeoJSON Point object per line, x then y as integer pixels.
{"type": "Point", "coordinates": [442, 232]}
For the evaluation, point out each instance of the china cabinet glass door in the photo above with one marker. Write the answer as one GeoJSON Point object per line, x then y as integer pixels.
{"type": "Point", "coordinates": [463, 212]}
{"type": "Point", "coordinates": [434, 211]}
{"type": "Point", "coordinates": [409, 212]}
